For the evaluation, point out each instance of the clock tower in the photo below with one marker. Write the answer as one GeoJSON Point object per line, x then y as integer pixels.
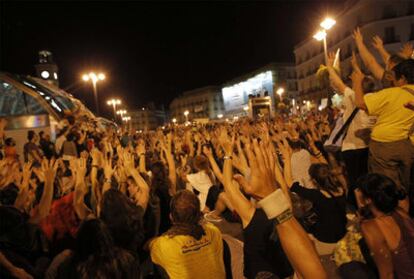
{"type": "Point", "coordinates": [46, 68]}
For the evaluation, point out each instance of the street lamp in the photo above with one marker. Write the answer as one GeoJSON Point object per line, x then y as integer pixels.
{"type": "Point", "coordinates": [186, 113]}
{"type": "Point", "coordinates": [326, 24]}
{"type": "Point", "coordinates": [174, 120]}
{"type": "Point", "coordinates": [121, 113]}
{"type": "Point", "coordinates": [219, 116]}
{"type": "Point", "coordinates": [94, 78]}
{"type": "Point", "coordinates": [114, 103]}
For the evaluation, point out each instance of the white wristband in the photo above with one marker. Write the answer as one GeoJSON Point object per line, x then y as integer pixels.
{"type": "Point", "coordinates": [274, 204]}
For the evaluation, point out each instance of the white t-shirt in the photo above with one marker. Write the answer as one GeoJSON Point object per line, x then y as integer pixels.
{"type": "Point", "coordinates": [358, 134]}
{"type": "Point", "coordinates": [202, 183]}
{"type": "Point", "coordinates": [300, 164]}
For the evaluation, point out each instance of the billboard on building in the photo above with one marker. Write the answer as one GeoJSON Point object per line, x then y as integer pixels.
{"type": "Point", "coordinates": [236, 96]}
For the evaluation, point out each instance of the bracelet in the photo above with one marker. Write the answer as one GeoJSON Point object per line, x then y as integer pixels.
{"type": "Point", "coordinates": [318, 154]}
{"type": "Point", "coordinates": [142, 154]}
{"type": "Point", "coordinates": [286, 215]}
{"type": "Point", "coordinates": [275, 204]}
{"type": "Point", "coordinates": [95, 166]}
{"type": "Point", "coordinates": [227, 157]}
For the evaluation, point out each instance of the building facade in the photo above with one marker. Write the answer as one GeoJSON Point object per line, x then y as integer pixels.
{"type": "Point", "coordinates": [201, 103]}
{"type": "Point", "coordinates": [392, 20]}
{"type": "Point", "coordinates": [147, 118]}
{"type": "Point", "coordinates": [263, 82]}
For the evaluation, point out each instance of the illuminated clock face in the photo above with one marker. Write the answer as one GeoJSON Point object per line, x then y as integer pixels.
{"type": "Point", "coordinates": [45, 74]}
{"type": "Point", "coordinates": [55, 75]}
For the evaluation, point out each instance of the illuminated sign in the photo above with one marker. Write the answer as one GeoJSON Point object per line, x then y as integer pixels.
{"type": "Point", "coordinates": [235, 97]}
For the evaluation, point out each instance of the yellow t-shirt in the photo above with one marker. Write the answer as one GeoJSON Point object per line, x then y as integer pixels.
{"type": "Point", "coordinates": [394, 120]}
{"type": "Point", "coordinates": [185, 257]}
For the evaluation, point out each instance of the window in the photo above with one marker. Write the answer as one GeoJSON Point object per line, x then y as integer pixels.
{"type": "Point", "coordinates": [412, 32]}
{"type": "Point", "coordinates": [15, 102]}
{"type": "Point", "coordinates": [410, 10]}
{"type": "Point", "coordinates": [390, 36]}
{"type": "Point", "coordinates": [388, 12]}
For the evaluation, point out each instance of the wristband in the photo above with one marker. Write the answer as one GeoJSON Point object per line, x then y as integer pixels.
{"type": "Point", "coordinates": [286, 215]}
{"type": "Point", "coordinates": [275, 204]}
{"type": "Point", "coordinates": [227, 157]}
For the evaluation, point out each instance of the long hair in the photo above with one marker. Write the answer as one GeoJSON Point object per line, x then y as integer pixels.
{"type": "Point", "coordinates": [201, 163]}
{"type": "Point", "coordinates": [123, 218]}
{"type": "Point", "coordinates": [323, 177]}
{"type": "Point", "coordinates": [186, 215]}
{"type": "Point", "coordinates": [96, 256]}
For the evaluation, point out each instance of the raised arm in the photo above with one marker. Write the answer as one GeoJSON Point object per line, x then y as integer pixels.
{"type": "Point", "coordinates": [357, 77]}
{"type": "Point", "coordinates": [379, 45]}
{"type": "Point", "coordinates": [80, 190]}
{"type": "Point", "coordinates": [336, 81]}
{"type": "Point", "coordinates": [295, 241]}
{"type": "Point", "coordinates": [217, 172]}
{"type": "Point", "coordinates": [141, 196]}
{"type": "Point", "coordinates": [172, 175]}
{"type": "Point", "coordinates": [242, 206]}
{"type": "Point", "coordinates": [24, 187]}
{"type": "Point", "coordinates": [49, 169]}
{"type": "Point", "coordinates": [366, 56]}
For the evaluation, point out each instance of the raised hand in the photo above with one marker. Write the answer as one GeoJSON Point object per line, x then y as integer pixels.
{"type": "Point", "coordinates": [331, 59]}
{"type": "Point", "coordinates": [357, 76]}
{"type": "Point", "coordinates": [108, 169]}
{"type": "Point", "coordinates": [49, 169]}
{"type": "Point", "coordinates": [27, 171]}
{"type": "Point", "coordinates": [377, 42]}
{"type": "Point", "coordinates": [406, 51]}
{"type": "Point", "coordinates": [261, 181]}
{"type": "Point", "coordinates": [359, 39]}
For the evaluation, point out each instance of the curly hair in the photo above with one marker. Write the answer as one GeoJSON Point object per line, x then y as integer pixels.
{"type": "Point", "coordinates": [186, 215]}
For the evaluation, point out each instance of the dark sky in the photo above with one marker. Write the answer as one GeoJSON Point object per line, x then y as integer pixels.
{"type": "Point", "coordinates": [152, 51]}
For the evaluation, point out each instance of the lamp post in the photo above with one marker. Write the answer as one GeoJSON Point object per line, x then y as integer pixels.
{"type": "Point", "coordinates": [121, 112]}
{"type": "Point", "coordinates": [280, 92]}
{"type": "Point", "coordinates": [326, 24]}
{"type": "Point", "coordinates": [126, 119]}
{"type": "Point", "coordinates": [114, 103]}
{"type": "Point", "coordinates": [186, 113]}
{"type": "Point", "coordinates": [94, 78]}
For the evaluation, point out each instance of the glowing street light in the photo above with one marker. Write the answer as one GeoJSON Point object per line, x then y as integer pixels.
{"type": "Point", "coordinates": [246, 108]}
{"type": "Point", "coordinates": [219, 116]}
{"type": "Point", "coordinates": [320, 35]}
{"type": "Point", "coordinates": [174, 120]}
{"type": "Point", "coordinates": [114, 103]}
{"type": "Point", "coordinates": [326, 24]}
{"type": "Point", "coordinates": [126, 118]}
{"type": "Point", "coordinates": [121, 112]}
{"type": "Point", "coordinates": [186, 113]}
{"type": "Point", "coordinates": [94, 78]}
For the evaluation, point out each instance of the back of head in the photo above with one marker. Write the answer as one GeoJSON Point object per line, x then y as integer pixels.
{"type": "Point", "coordinates": [368, 84]}
{"type": "Point", "coordinates": [201, 163]}
{"type": "Point", "coordinates": [97, 257]}
{"type": "Point", "coordinates": [405, 69]}
{"type": "Point", "coordinates": [186, 215]}
{"type": "Point", "coordinates": [123, 218]}
{"type": "Point", "coordinates": [323, 177]}
{"type": "Point", "coordinates": [30, 135]}
{"type": "Point", "coordinates": [93, 238]}
{"type": "Point", "coordinates": [382, 191]}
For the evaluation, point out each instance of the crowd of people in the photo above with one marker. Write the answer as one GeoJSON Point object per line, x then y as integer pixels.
{"type": "Point", "coordinates": [311, 197]}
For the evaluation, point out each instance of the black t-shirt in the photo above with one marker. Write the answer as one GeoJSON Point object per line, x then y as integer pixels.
{"type": "Point", "coordinates": [262, 248]}
{"type": "Point", "coordinates": [331, 224]}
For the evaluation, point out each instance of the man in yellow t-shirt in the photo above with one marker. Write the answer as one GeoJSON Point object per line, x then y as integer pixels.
{"type": "Point", "coordinates": [391, 151]}
{"type": "Point", "coordinates": [188, 249]}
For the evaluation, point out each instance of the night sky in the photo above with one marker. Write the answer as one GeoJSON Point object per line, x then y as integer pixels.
{"type": "Point", "coordinates": [153, 51]}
